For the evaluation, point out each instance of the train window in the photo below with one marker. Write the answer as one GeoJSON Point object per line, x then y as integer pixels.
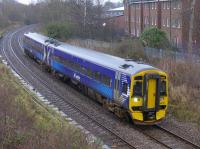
{"type": "Point", "coordinates": [77, 67]}
{"type": "Point", "coordinates": [124, 87]}
{"type": "Point", "coordinates": [137, 89]}
{"type": "Point", "coordinates": [70, 63]}
{"type": "Point", "coordinates": [106, 80]}
{"type": "Point", "coordinates": [56, 58]}
{"type": "Point", "coordinates": [34, 45]}
{"type": "Point", "coordinates": [97, 76]}
{"type": "Point", "coordinates": [163, 88]}
{"type": "Point", "coordinates": [89, 72]}
{"type": "Point", "coordinates": [83, 70]}
{"type": "Point", "coordinates": [66, 62]}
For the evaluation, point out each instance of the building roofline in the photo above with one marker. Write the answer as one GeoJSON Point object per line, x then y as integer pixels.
{"type": "Point", "coordinates": [117, 9]}
{"type": "Point", "coordinates": [144, 1]}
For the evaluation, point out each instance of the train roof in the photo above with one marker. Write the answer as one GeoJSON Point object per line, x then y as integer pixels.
{"type": "Point", "coordinates": [123, 65]}
{"type": "Point", "coordinates": [37, 37]}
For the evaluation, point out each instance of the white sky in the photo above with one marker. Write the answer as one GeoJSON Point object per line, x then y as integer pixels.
{"type": "Point", "coordinates": [29, 1]}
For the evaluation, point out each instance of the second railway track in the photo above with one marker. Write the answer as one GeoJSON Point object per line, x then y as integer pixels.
{"type": "Point", "coordinates": [98, 121]}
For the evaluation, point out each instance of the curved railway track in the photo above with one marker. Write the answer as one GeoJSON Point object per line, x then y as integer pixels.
{"type": "Point", "coordinates": [113, 132]}
{"type": "Point", "coordinates": [70, 108]}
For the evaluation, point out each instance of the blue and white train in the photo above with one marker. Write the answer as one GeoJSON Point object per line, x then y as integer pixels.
{"type": "Point", "coordinates": [129, 89]}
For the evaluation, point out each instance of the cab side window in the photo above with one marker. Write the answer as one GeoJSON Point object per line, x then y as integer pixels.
{"type": "Point", "coordinates": [124, 87]}
{"type": "Point", "coordinates": [137, 89]}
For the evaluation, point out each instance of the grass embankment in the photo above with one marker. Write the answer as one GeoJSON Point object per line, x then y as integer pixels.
{"type": "Point", "coordinates": [24, 124]}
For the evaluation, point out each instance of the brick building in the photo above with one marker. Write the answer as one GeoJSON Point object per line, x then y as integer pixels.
{"type": "Point", "coordinates": [172, 16]}
{"type": "Point", "coordinates": [115, 19]}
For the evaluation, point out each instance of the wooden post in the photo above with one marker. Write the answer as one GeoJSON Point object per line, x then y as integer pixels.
{"type": "Point", "coordinates": [191, 27]}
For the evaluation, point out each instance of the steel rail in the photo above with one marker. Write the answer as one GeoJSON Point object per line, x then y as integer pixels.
{"type": "Point", "coordinates": [46, 85]}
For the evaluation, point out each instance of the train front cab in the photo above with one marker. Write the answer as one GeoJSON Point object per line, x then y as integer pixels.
{"type": "Point", "coordinates": [149, 97]}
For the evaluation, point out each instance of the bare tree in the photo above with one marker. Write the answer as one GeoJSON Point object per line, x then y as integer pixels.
{"type": "Point", "coordinates": [191, 26]}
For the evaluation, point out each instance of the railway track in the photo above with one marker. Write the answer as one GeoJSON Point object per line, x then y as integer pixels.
{"type": "Point", "coordinates": [167, 138]}
{"type": "Point", "coordinates": [69, 108]}
{"type": "Point", "coordinates": [107, 129]}
{"type": "Point", "coordinates": [177, 137]}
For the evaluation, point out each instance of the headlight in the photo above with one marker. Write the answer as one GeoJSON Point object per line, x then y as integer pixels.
{"type": "Point", "coordinates": [135, 99]}
{"type": "Point", "coordinates": [162, 98]}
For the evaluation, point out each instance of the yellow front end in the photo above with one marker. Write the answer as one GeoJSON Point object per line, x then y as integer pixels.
{"type": "Point", "coordinates": [148, 97]}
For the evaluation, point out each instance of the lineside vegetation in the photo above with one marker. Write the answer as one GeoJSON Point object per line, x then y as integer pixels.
{"type": "Point", "coordinates": [24, 124]}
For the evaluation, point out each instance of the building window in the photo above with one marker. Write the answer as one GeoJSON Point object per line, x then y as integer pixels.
{"type": "Point", "coordinates": [178, 23]}
{"type": "Point", "coordinates": [132, 19]}
{"type": "Point", "coordinates": [146, 6]}
{"type": "Point", "coordinates": [138, 6]}
{"type": "Point", "coordinates": [168, 5]}
{"type": "Point", "coordinates": [163, 21]}
{"type": "Point", "coordinates": [176, 41]}
{"type": "Point", "coordinates": [168, 22]}
{"type": "Point", "coordinates": [155, 21]}
{"type": "Point", "coordinates": [152, 5]}
{"type": "Point", "coordinates": [138, 19]}
{"type": "Point", "coordinates": [138, 32]}
{"type": "Point", "coordinates": [178, 4]}
{"type": "Point", "coordinates": [164, 5]}
{"type": "Point", "coordinates": [147, 20]}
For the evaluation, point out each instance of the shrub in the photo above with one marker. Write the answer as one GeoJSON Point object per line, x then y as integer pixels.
{"type": "Point", "coordinates": [184, 88]}
{"type": "Point", "coordinates": [59, 30]}
{"type": "Point", "coordinates": [155, 38]}
{"type": "Point", "coordinates": [131, 48]}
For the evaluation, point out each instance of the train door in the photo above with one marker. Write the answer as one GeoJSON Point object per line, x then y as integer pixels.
{"type": "Point", "coordinates": [47, 53]}
{"type": "Point", "coordinates": [117, 84]}
{"type": "Point", "coordinates": [152, 92]}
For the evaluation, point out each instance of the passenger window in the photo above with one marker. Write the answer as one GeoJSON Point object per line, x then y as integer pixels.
{"type": "Point", "coordinates": [124, 87]}
{"type": "Point", "coordinates": [106, 80]}
{"type": "Point", "coordinates": [97, 76]}
{"type": "Point", "coordinates": [137, 89]}
{"type": "Point", "coordinates": [89, 72]}
{"type": "Point", "coordinates": [83, 70]}
{"type": "Point", "coordinates": [76, 66]}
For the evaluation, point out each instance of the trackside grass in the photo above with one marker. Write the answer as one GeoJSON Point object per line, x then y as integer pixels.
{"type": "Point", "coordinates": [184, 88]}
{"type": "Point", "coordinates": [24, 124]}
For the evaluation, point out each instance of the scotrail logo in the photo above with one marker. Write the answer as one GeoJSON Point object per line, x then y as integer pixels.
{"type": "Point", "coordinates": [77, 77]}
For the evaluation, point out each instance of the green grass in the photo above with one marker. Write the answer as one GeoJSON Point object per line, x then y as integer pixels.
{"type": "Point", "coordinates": [25, 124]}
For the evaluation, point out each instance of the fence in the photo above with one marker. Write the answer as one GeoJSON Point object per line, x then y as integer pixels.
{"type": "Point", "coordinates": [160, 53]}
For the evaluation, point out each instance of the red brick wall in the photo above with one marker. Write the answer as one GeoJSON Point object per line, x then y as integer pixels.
{"type": "Point", "coordinates": [178, 17]}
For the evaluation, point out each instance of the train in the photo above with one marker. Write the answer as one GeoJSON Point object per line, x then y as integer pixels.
{"type": "Point", "coordinates": [132, 90]}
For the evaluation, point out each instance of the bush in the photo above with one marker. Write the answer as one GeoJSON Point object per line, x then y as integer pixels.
{"type": "Point", "coordinates": [59, 30]}
{"type": "Point", "coordinates": [155, 38]}
{"type": "Point", "coordinates": [184, 88]}
{"type": "Point", "coordinates": [131, 48]}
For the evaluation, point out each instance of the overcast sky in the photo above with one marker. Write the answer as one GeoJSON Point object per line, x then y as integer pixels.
{"type": "Point", "coordinates": [29, 1]}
